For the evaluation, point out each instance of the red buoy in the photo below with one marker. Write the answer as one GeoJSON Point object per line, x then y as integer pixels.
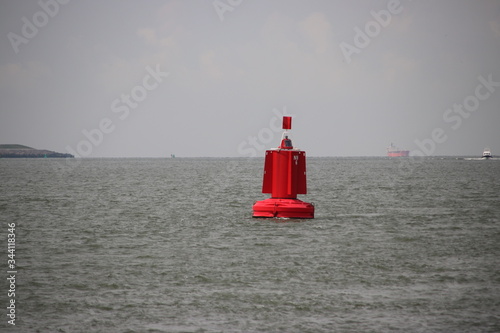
{"type": "Point", "coordinates": [284, 178]}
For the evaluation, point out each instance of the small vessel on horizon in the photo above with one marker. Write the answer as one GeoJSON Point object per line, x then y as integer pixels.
{"type": "Point", "coordinates": [393, 151]}
{"type": "Point", "coordinates": [487, 153]}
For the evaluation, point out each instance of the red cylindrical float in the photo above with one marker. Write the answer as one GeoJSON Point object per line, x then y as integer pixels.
{"type": "Point", "coordinates": [284, 178]}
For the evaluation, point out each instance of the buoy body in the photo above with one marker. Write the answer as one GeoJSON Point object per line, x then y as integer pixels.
{"type": "Point", "coordinates": [284, 178]}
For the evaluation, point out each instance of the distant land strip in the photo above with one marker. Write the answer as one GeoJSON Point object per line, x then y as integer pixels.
{"type": "Point", "coordinates": [20, 151]}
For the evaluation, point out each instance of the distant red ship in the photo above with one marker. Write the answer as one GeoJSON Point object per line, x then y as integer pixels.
{"type": "Point", "coordinates": [393, 151]}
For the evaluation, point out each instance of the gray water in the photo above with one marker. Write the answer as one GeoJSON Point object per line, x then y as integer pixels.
{"type": "Point", "coordinates": [169, 245]}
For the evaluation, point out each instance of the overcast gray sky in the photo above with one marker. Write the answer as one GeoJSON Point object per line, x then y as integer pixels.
{"type": "Point", "coordinates": [211, 78]}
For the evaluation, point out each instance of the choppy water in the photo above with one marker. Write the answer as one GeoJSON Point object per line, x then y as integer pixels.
{"type": "Point", "coordinates": [169, 245]}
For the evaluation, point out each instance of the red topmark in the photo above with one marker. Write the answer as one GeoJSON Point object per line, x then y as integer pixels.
{"type": "Point", "coordinates": [287, 123]}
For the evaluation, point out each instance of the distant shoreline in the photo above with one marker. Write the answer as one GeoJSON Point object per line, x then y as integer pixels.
{"type": "Point", "coordinates": [20, 151]}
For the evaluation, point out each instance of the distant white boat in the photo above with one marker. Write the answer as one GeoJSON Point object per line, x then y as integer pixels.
{"type": "Point", "coordinates": [487, 153]}
{"type": "Point", "coordinates": [486, 156]}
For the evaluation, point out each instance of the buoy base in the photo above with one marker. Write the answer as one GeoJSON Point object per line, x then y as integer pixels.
{"type": "Point", "coordinates": [287, 208]}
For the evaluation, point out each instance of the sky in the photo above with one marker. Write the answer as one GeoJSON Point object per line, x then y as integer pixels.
{"type": "Point", "coordinates": [214, 77]}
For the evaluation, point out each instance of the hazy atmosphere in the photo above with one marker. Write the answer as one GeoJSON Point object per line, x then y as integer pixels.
{"type": "Point", "coordinates": [213, 78]}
